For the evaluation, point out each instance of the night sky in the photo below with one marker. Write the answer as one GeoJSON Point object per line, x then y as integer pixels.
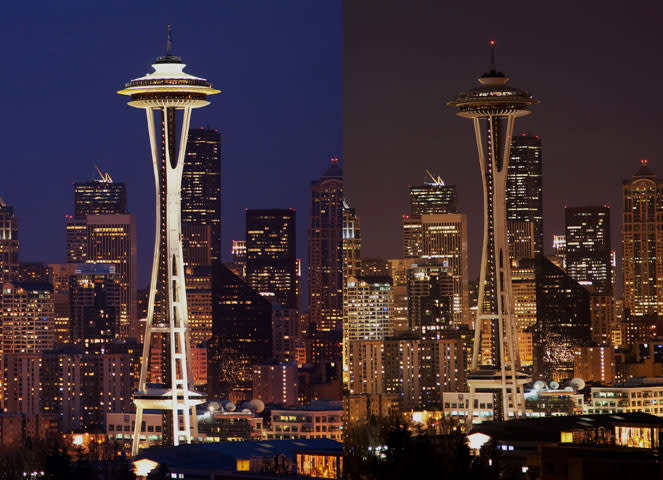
{"type": "Point", "coordinates": [595, 66]}
{"type": "Point", "coordinates": [278, 65]}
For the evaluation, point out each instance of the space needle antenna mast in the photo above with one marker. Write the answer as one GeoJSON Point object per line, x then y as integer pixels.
{"type": "Point", "coordinates": [493, 107]}
{"type": "Point", "coordinates": [171, 93]}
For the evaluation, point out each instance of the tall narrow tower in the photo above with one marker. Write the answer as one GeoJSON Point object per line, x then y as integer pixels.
{"type": "Point", "coordinates": [493, 107]}
{"type": "Point", "coordinates": [168, 90]}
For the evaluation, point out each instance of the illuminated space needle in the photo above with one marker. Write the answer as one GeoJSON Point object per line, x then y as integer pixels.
{"type": "Point", "coordinates": [169, 91]}
{"type": "Point", "coordinates": [493, 107]}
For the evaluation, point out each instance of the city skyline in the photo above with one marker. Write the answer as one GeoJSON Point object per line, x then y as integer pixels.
{"type": "Point", "coordinates": [237, 43]}
{"type": "Point", "coordinates": [427, 63]}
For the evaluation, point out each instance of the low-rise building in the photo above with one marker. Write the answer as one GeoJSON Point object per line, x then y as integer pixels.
{"type": "Point", "coordinates": [635, 395]}
{"type": "Point", "coordinates": [319, 420]}
{"type": "Point", "coordinates": [456, 406]}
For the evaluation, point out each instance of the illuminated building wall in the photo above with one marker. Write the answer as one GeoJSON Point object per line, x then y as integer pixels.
{"type": "Point", "coordinates": [642, 241]}
{"type": "Point", "coordinates": [198, 279]}
{"type": "Point", "coordinates": [199, 363]}
{"type": "Point", "coordinates": [445, 242]}
{"type": "Point", "coordinates": [276, 384]}
{"type": "Point", "coordinates": [368, 304]}
{"type": "Point", "coordinates": [271, 255]}
{"type": "Point", "coordinates": [351, 243]}
{"type": "Point", "coordinates": [288, 335]}
{"type": "Point", "coordinates": [60, 274]}
{"type": "Point", "coordinates": [201, 197]}
{"type": "Point", "coordinates": [524, 185]}
{"type": "Point", "coordinates": [99, 197]}
{"type": "Point", "coordinates": [563, 321]}
{"type": "Point", "coordinates": [432, 198]}
{"type": "Point", "coordinates": [523, 288]}
{"type": "Point", "coordinates": [325, 237]}
{"type": "Point", "coordinates": [21, 382]}
{"type": "Point", "coordinates": [28, 323]}
{"type": "Point", "coordinates": [109, 239]}
{"type": "Point", "coordinates": [33, 272]}
{"type": "Point", "coordinates": [402, 370]}
{"type": "Point", "coordinates": [95, 303]}
{"type": "Point", "coordinates": [521, 239]}
{"type": "Point", "coordinates": [430, 295]}
{"type": "Point", "coordinates": [306, 422]}
{"type": "Point", "coordinates": [642, 395]}
{"type": "Point", "coordinates": [602, 317]}
{"type": "Point", "coordinates": [365, 359]}
{"type": "Point", "coordinates": [8, 243]}
{"type": "Point", "coordinates": [61, 388]}
{"type": "Point", "coordinates": [588, 253]}
{"type": "Point", "coordinates": [595, 364]}
{"type": "Point", "coordinates": [241, 334]}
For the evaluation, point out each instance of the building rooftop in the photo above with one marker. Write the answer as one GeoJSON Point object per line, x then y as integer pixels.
{"type": "Point", "coordinates": [549, 428]}
{"type": "Point", "coordinates": [224, 455]}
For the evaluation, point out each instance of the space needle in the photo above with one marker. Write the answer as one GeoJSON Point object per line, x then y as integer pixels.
{"type": "Point", "coordinates": [171, 93]}
{"type": "Point", "coordinates": [493, 107]}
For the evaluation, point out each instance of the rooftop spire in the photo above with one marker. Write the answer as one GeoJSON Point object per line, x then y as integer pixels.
{"type": "Point", "coordinates": [493, 68]}
{"type": "Point", "coordinates": [169, 42]}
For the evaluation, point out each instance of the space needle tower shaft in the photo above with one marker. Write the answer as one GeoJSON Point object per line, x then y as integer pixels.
{"type": "Point", "coordinates": [168, 92]}
{"type": "Point", "coordinates": [493, 107]}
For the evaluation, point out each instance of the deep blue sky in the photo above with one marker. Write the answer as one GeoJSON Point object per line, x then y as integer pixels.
{"type": "Point", "coordinates": [278, 64]}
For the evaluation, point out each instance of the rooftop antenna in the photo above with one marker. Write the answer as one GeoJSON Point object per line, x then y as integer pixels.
{"type": "Point", "coordinates": [104, 177]}
{"type": "Point", "coordinates": [169, 42]}
{"type": "Point", "coordinates": [493, 68]}
{"type": "Point", "coordinates": [436, 180]}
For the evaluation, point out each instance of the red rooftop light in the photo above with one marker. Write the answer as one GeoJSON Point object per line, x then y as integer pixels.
{"type": "Point", "coordinates": [643, 162]}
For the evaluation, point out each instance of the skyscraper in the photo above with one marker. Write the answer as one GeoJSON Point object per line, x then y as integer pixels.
{"type": "Point", "coordinates": [432, 198]}
{"type": "Point", "coordinates": [241, 335]}
{"type": "Point", "coordinates": [100, 197]}
{"type": "Point", "coordinates": [351, 243]}
{"type": "Point", "coordinates": [588, 254]}
{"type": "Point", "coordinates": [524, 187]}
{"type": "Point", "coordinates": [444, 241]}
{"type": "Point", "coordinates": [326, 250]}
{"type": "Point", "coordinates": [642, 240]}
{"type": "Point", "coordinates": [201, 197]}
{"type": "Point", "coordinates": [563, 321]}
{"type": "Point", "coordinates": [493, 107]}
{"type": "Point", "coordinates": [430, 298]}
{"type": "Point", "coordinates": [27, 317]}
{"type": "Point", "coordinates": [95, 293]}
{"type": "Point", "coordinates": [271, 262]}
{"type": "Point", "coordinates": [8, 243]}
{"type": "Point", "coordinates": [109, 239]}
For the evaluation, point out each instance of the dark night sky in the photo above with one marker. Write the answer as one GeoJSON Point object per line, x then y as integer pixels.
{"type": "Point", "coordinates": [596, 68]}
{"type": "Point", "coordinates": [277, 63]}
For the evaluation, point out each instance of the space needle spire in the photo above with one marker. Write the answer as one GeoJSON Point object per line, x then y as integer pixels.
{"type": "Point", "coordinates": [493, 107]}
{"type": "Point", "coordinates": [168, 93]}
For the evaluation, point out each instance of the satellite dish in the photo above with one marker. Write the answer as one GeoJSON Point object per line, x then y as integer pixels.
{"type": "Point", "coordinates": [539, 385]}
{"type": "Point", "coordinates": [553, 385]}
{"type": "Point", "coordinates": [213, 406]}
{"type": "Point", "coordinates": [228, 406]}
{"type": "Point", "coordinates": [254, 405]}
{"type": "Point", "coordinates": [577, 383]}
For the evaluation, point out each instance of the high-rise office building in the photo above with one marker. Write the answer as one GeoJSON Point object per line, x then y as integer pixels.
{"type": "Point", "coordinates": [432, 198]}
{"type": "Point", "coordinates": [201, 197]}
{"type": "Point", "coordinates": [8, 243]}
{"type": "Point", "coordinates": [642, 241]}
{"type": "Point", "coordinates": [367, 307]}
{"type": "Point", "coordinates": [351, 243]}
{"type": "Point", "coordinates": [563, 321]}
{"type": "Point", "coordinates": [524, 187]}
{"type": "Point", "coordinates": [95, 293]}
{"type": "Point", "coordinates": [430, 299]}
{"type": "Point", "coordinates": [199, 302]}
{"type": "Point", "coordinates": [59, 277]}
{"type": "Point", "coordinates": [325, 238]}
{"type": "Point", "coordinates": [100, 197]}
{"type": "Point", "coordinates": [445, 242]}
{"type": "Point", "coordinates": [271, 262]}
{"type": "Point", "coordinates": [27, 315]}
{"type": "Point", "coordinates": [588, 254]}
{"type": "Point", "coordinates": [109, 239]}
{"type": "Point", "coordinates": [241, 335]}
